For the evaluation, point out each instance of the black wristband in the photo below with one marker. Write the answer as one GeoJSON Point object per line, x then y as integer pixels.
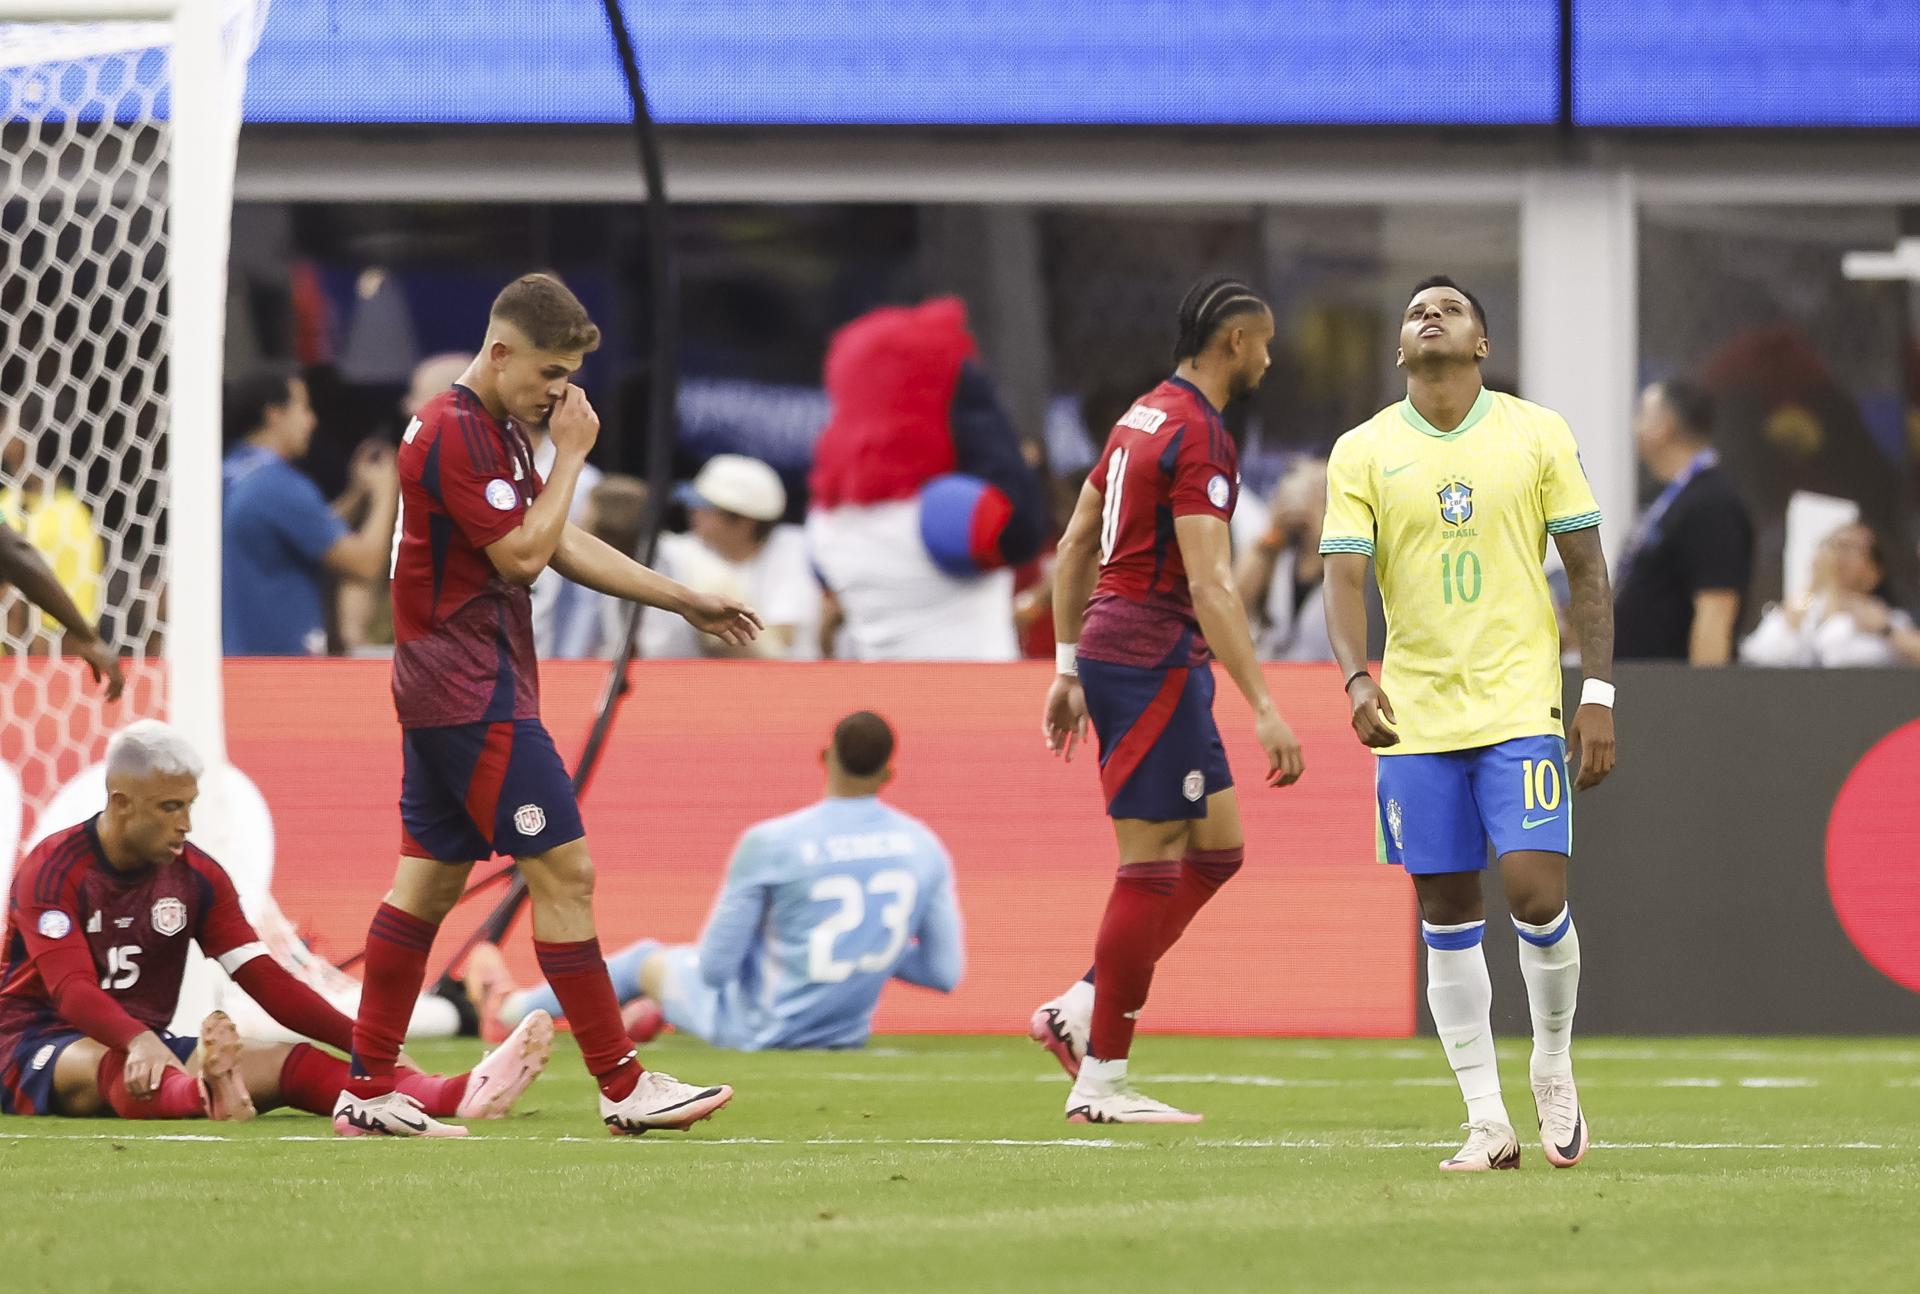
{"type": "Point", "coordinates": [1359, 673]}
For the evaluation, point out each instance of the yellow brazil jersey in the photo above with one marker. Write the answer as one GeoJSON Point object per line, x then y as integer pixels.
{"type": "Point", "coordinates": [61, 526]}
{"type": "Point", "coordinates": [1457, 524]}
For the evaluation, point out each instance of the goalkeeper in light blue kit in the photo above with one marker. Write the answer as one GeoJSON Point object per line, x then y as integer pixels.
{"type": "Point", "coordinates": [819, 910]}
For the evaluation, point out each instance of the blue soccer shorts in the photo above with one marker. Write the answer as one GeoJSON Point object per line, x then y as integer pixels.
{"type": "Point", "coordinates": [27, 1062]}
{"type": "Point", "coordinates": [1160, 752]}
{"type": "Point", "coordinates": [478, 789]}
{"type": "Point", "coordinates": [1437, 813]}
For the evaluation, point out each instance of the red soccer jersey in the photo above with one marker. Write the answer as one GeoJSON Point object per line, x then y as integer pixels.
{"type": "Point", "coordinates": [1170, 456]}
{"type": "Point", "coordinates": [463, 637]}
{"type": "Point", "coordinates": [133, 926]}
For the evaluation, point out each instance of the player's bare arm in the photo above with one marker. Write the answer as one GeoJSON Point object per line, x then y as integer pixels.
{"type": "Point", "coordinates": [522, 553]}
{"type": "Point", "coordinates": [1346, 595]}
{"type": "Point", "coordinates": [589, 560]}
{"type": "Point", "coordinates": [1076, 567]}
{"type": "Point", "coordinates": [1207, 553]}
{"type": "Point", "coordinates": [22, 566]}
{"type": "Point", "coordinates": [1591, 611]}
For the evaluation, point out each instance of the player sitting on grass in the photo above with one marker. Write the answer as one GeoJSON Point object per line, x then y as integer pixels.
{"type": "Point", "coordinates": [820, 909]}
{"type": "Point", "coordinates": [96, 942]}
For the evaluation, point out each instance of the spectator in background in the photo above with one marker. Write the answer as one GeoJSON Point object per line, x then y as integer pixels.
{"type": "Point", "coordinates": [1690, 560]}
{"type": "Point", "coordinates": [42, 507]}
{"type": "Point", "coordinates": [1843, 619]}
{"type": "Point", "coordinates": [279, 539]}
{"type": "Point", "coordinates": [922, 502]}
{"type": "Point", "coordinates": [1279, 576]}
{"type": "Point", "coordinates": [736, 547]}
{"type": "Point", "coordinates": [589, 623]}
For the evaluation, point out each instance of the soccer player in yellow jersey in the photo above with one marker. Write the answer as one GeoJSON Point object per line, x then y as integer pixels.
{"type": "Point", "coordinates": [1453, 492]}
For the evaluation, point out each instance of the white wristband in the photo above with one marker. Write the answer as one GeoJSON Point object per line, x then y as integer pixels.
{"type": "Point", "coordinates": [1596, 692]}
{"type": "Point", "coordinates": [1066, 659]}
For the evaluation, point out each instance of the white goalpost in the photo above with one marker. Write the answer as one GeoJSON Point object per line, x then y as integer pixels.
{"type": "Point", "coordinates": [120, 121]}
{"type": "Point", "coordinates": [118, 126]}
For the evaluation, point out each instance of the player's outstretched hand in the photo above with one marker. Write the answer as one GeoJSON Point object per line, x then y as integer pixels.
{"type": "Point", "coordinates": [1592, 742]}
{"type": "Point", "coordinates": [1065, 720]}
{"type": "Point", "coordinates": [147, 1059]}
{"type": "Point", "coordinates": [1285, 760]}
{"type": "Point", "coordinates": [733, 623]}
{"type": "Point", "coordinates": [573, 424]}
{"type": "Point", "coordinates": [1373, 717]}
{"type": "Point", "coordinates": [105, 665]}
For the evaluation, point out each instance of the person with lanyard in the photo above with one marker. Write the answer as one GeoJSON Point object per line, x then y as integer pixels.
{"type": "Point", "coordinates": [1690, 560]}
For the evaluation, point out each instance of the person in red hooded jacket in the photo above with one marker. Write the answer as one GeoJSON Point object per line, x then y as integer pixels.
{"type": "Point", "coordinates": [921, 500]}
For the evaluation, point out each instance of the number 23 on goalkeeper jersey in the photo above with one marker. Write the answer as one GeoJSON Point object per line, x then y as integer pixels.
{"type": "Point", "coordinates": [1457, 524]}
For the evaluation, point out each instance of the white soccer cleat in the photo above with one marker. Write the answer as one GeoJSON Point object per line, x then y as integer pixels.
{"type": "Point", "coordinates": [661, 1101]}
{"type": "Point", "coordinates": [394, 1115]}
{"type": "Point", "coordinates": [1563, 1124]}
{"type": "Point", "coordinates": [1063, 1031]}
{"type": "Point", "coordinates": [1121, 1104]}
{"type": "Point", "coordinates": [227, 1097]}
{"type": "Point", "coordinates": [1489, 1146]}
{"type": "Point", "coordinates": [508, 1070]}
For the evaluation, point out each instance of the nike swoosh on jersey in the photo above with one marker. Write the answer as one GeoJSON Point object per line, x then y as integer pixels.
{"type": "Point", "coordinates": [1528, 824]}
{"type": "Point", "coordinates": [1395, 471]}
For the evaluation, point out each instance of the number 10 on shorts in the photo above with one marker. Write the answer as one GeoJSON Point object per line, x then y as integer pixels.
{"type": "Point", "coordinates": [1540, 784]}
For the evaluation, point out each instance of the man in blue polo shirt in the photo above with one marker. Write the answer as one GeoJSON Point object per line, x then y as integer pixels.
{"type": "Point", "coordinates": [280, 539]}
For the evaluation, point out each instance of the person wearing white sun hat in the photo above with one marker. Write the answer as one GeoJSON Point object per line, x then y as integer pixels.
{"type": "Point", "coordinates": [735, 541]}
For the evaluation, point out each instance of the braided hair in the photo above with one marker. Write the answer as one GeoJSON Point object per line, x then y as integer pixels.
{"type": "Point", "coordinates": [1207, 305]}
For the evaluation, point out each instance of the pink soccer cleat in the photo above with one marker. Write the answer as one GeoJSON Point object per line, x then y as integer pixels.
{"type": "Point", "coordinates": [508, 1070]}
{"type": "Point", "coordinates": [664, 1102]}
{"type": "Point", "coordinates": [1564, 1134]}
{"type": "Point", "coordinates": [394, 1115]}
{"type": "Point", "coordinates": [1062, 1030]}
{"type": "Point", "coordinates": [220, 1047]}
{"type": "Point", "coordinates": [644, 1020]}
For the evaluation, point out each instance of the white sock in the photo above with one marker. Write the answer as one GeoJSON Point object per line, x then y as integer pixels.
{"type": "Point", "coordinates": [1550, 963]}
{"type": "Point", "coordinates": [1079, 998]}
{"type": "Point", "coordinates": [1461, 998]}
{"type": "Point", "coordinates": [1101, 1075]}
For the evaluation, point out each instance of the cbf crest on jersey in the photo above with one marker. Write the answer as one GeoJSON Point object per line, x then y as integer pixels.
{"type": "Point", "coordinates": [169, 916]}
{"type": "Point", "coordinates": [1456, 503]}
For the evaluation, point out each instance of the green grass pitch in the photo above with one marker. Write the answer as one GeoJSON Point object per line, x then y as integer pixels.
{"type": "Point", "coordinates": [928, 1164]}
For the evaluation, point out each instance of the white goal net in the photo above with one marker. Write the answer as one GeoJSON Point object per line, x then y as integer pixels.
{"type": "Point", "coordinates": [117, 130]}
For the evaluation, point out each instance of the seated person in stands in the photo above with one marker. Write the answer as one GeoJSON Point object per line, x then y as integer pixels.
{"type": "Point", "coordinates": [1843, 618]}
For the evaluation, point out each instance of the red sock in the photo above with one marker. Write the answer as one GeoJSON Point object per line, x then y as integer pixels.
{"type": "Point", "coordinates": [578, 977]}
{"type": "Point", "coordinates": [1202, 874]}
{"type": "Point", "coordinates": [311, 1080]}
{"type": "Point", "coordinates": [1124, 953]}
{"type": "Point", "coordinates": [180, 1095]}
{"type": "Point", "coordinates": [438, 1094]}
{"type": "Point", "coordinates": [397, 947]}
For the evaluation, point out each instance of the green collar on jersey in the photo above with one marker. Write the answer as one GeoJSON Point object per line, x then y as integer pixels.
{"type": "Point", "coordinates": [1481, 405]}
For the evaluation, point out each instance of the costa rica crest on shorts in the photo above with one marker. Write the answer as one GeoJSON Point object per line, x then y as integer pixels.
{"type": "Point", "coordinates": [169, 916]}
{"type": "Point", "coordinates": [530, 819]}
{"type": "Point", "coordinates": [1193, 784]}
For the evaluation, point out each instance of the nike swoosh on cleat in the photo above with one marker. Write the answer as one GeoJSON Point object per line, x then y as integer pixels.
{"type": "Point", "coordinates": [1395, 471]}
{"type": "Point", "coordinates": [1528, 824]}
{"type": "Point", "coordinates": [417, 1127]}
{"type": "Point", "coordinates": [1567, 1151]}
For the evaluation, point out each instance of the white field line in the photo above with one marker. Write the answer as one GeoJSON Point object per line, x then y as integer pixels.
{"type": "Point", "coordinates": [1042, 1143]}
